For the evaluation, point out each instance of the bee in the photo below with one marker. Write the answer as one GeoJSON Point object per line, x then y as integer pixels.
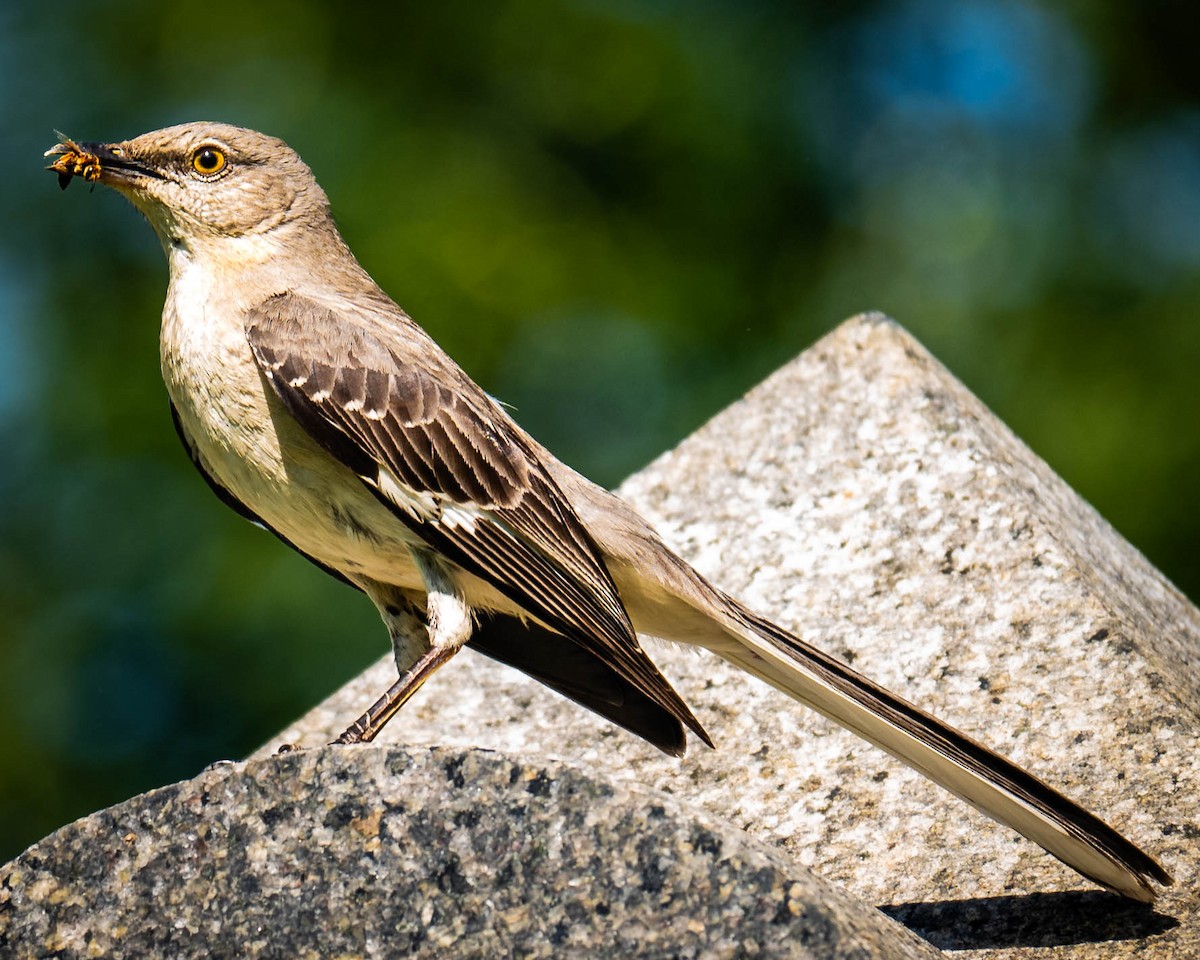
{"type": "Point", "coordinates": [72, 161]}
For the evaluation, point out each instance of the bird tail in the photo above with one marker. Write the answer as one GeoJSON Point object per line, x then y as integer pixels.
{"type": "Point", "coordinates": [990, 783]}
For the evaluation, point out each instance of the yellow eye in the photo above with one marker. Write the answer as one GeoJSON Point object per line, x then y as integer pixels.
{"type": "Point", "coordinates": [208, 161]}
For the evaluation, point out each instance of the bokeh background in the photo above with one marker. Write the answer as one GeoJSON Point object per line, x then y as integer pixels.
{"type": "Point", "coordinates": [618, 216]}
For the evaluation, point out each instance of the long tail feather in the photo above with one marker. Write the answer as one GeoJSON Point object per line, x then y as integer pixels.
{"type": "Point", "coordinates": [966, 768]}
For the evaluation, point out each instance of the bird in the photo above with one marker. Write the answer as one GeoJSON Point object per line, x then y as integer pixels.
{"type": "Point", "coordinates": [315, 407]}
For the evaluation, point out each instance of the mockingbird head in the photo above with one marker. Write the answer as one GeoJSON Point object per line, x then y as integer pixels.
{"type": "Point", "coordinates": [203, 184]}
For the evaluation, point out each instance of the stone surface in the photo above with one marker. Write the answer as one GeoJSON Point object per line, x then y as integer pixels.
{"type": "Point", "coordinates": [865, 499]}
{"type": "Point", "coordinates": [366, 852]}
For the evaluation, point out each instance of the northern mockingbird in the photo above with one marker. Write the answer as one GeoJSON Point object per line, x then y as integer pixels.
{"type": "Point", "coordinates": [315, 407]}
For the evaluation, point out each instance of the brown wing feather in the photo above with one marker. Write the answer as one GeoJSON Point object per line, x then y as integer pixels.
{"type": "Point", "coordinates": [398, 411]}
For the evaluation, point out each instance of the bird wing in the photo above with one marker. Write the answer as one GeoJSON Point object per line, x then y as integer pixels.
{"type": "Point", "coordinates": [383, 399]}
{"type": "Point", "coordinates": [568, 668]}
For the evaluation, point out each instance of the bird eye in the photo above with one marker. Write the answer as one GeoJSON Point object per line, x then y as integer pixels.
{"type": "Point", "coordinates": [208, 161]}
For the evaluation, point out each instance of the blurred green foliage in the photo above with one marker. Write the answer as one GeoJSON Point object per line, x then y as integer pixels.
{"type": "Point", "coordinates": [618, 216]}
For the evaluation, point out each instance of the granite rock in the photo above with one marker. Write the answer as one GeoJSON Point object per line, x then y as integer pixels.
{"type": "Point", "coordinates": [372, 853]}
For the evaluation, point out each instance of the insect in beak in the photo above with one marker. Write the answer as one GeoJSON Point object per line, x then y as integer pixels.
{"type": "Point", "coordinates": [72, 161]}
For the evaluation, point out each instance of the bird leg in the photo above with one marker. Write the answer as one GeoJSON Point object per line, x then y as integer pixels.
{"type": "Point", "coordinates": [420, 645]}
{"type": "Point", "coordinates": [366, 728]}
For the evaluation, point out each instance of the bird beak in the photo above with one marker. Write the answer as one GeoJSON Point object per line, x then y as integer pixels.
{"type": "Point", "coordinates": [110, 163]}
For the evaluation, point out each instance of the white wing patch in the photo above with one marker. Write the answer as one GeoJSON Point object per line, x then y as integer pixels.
{"type": "Point", "coordinates": [461, 516]}
{"type": "Point", "coordinates": [422, 505]}
{"type": "Point", "coordinates": [429, 507]}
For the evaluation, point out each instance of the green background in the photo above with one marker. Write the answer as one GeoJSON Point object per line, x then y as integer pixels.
{"type": "Point", "coordinates": [618, 217]}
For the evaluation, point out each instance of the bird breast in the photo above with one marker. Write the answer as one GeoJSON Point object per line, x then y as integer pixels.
{"type": "Point", "coordinates": [252, 446]}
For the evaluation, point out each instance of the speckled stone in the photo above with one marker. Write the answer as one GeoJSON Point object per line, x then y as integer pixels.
{"type": "Point", "coordinates": [864, 498]}
{"type": "Point", "coordinates": [371, 853]}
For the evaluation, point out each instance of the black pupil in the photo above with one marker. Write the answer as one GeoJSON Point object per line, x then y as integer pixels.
{"type": "Point", "coordinates": [208, 159]}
